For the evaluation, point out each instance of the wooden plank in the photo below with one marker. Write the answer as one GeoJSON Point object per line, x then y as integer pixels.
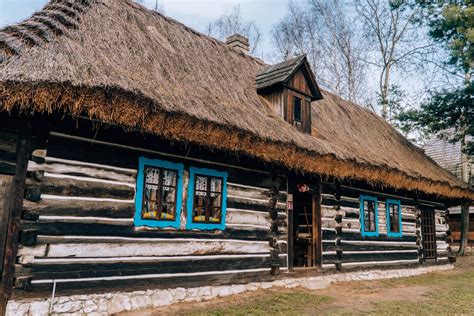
{"type": "Point", "coordinates": [346, 246]}
{"type": "Point", "coordinates": [13, 230]}
{"type": "Point", "coordinates": [98, 269]}
{"type": "Point", "coordinates": [7, 167]}
{"type": "Point", "coordinates": [72, 169]}
{"type": "Point", "coordinates": [330, 201]}
{"type": "Point", "coordinates": [6, 188]}
{"type": "Point", "coordinates": [147, 282]}
{"type": "Point", "coordinates": [87, 229]}
{"type": "Point", "coordinates": [316, 222]}
{"type": "Point", "coordinates": [106, 152]}
{"type": "Point", "coordinates": [329, 234]}
{"type": "Point", "coordinates": [78, 208]}
{"type": "Point", "coordinates": [290, 233]}
{"type": "Point", "coordinates": [9, 142]}
{"type": "Point", "coordinates": [157, 247]}
{"type": "Point", "coordinates": [78, 188]}
{"type": "Point", "coordinates": [234, 202]}
{"type": "Point", "coordinates": [368, 264]}
{"type": "Point", "coordinates": [374, 256]}
{"type": "Point", "coordinates": [243, 217]}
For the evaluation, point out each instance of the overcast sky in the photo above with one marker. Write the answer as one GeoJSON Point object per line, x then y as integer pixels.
{"type": "Point", "coordinates": [194, 13]}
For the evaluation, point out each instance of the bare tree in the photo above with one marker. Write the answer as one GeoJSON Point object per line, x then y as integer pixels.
{"type": "Point", "coordinates": [324, 31]}
{"type": "Point", "coordinates": [234, 23]}
{"type": "Point", "coordinates": [154, 5]}
{"type": "Point", "coordinates": [394, 40]}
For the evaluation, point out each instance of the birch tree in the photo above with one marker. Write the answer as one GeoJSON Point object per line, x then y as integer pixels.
{"type": "Point", "coordinates": [394, 39]}
{"type": "Point", "coordinates": [324, 31]}
{"type": "Point", "coordinates": [154, 5]}
{"type": "Point", "coordinates": [234, 23]}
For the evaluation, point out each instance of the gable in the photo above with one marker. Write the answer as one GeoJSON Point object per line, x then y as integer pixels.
{"type": "Point", "coordinates": [300, 83]}
{"type": "Point", "coordinates": [294, 73]}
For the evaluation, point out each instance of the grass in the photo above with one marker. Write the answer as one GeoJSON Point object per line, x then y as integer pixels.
{"type": "Point", "coordinates": [452, 294]}
{"type": "Point", "coordinates": [444, 293]}
{"type": "Point", "coordinates": [282, 302]}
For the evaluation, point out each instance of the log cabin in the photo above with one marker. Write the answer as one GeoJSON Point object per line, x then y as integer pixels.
{"type": "Point", "coordinates": [138, 154]}
{"type": "Point", "coordinates": [450, 157]}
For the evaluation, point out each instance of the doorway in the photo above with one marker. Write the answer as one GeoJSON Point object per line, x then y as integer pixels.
{"type": "Point", "coordinates": [306, 230]}
{"type": "Point", "coordinates": [428, 230]}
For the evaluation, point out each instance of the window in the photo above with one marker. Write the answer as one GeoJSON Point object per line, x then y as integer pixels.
{"type": "Point", "coordinates": [159, 190]}
{"type": "Point", "coordinates": [394, 218]}
{"type": "Point", "coordinates": [206, 205]}
{"type": "Point", "coordinates": [369, 216]}
{"type": "Point", "coordinates": [297, 109]}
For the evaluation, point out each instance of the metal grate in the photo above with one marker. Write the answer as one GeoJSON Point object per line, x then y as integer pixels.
{"type": "Point", "coordinates": [428, 228]}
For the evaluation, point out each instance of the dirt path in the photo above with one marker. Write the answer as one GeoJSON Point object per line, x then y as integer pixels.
{"type": "Point", "coordinates": [442, 292]}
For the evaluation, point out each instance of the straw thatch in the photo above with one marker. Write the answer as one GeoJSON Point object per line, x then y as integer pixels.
{"type": "Point", "coordinates": [122, 64]}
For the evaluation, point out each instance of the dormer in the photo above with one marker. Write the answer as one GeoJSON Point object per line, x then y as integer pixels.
{"type": "Point", "coordinates": [290, 87]}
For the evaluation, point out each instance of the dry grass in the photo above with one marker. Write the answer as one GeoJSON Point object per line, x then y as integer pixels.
{"type": "Point", "coordinates": [151, 73]}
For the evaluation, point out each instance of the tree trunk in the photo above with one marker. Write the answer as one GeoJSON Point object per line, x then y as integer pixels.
{"type": "Point", "coordinates": [464, 229]}
{"type": "Point", "coordinates": [384, 92]}
{"type": "Point", "coordinates": [465, 176]}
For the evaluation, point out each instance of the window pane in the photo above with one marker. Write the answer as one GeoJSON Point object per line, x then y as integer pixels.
{"type": "Point", "coordinates": [168, 196]}
{"type": "Point", "coordinates": [207, 199]}
{"type": "Point", "coordinates": [169, 178]}
{"type": "Point", "coordinates": [297, 109]}
{"type": "Point", "coordinates": [215, 215]}
{"type": "Point", "coordinates": [369, 216]}
{"type": "Point", "coordinates": [199, 208]}
{"type": "Point", "coordinates": [394, 227]}
{"type": "Point", "coordinates": [216, 185]}
{"type": "Point", "coordinates": [372, 215]}
{"type": "Point", "coordinates": [158, 207]}
{"type": "Point", "coordinates": [216, 200]}
{"type": "Point", "coordinates": [152, 175]}
{"type": "Point", "coordinates": [168, 211]}
{"type": "Point", "coordinates": [201, 183]}
{"type": "Point", "coordinates": [150, 203]}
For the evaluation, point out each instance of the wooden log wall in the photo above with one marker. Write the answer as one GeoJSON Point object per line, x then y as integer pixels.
{"type": "Point", "coordinates": [345, 247]}
{"type": "Point", "coordinates": [77, 227]}
{"type": "Point", "coordinates": [442, 229]}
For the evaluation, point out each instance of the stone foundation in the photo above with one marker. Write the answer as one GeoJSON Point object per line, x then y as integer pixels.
{"type": "Point", "coordinates": [112, 303]}
{"type": "Point", "coordinates": [469, 249]}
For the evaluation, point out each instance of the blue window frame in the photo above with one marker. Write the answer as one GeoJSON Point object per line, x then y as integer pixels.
{"type": "Point", "coordinates": [394, 218]}
{"type": "Point", "coordinates": [158, 201]}
{"type": "Point", "coordinates": [207, 199]}
{"type": "Point", "coordinates": [369, 217]}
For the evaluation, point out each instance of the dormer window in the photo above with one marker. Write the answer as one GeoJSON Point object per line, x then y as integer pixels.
{"type": "Point", "coordinates": [290, 87]}
{"type": "Point", "coordinates": [297, 110]}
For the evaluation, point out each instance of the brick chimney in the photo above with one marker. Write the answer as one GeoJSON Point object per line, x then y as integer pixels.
{"type": "Point", "coordinates": [238, 41]}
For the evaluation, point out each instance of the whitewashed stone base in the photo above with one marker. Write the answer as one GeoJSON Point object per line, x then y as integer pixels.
{"type": "Point", "coordinates": [469, 250]}
{"type": "Point", "coordinates": [112, 303]}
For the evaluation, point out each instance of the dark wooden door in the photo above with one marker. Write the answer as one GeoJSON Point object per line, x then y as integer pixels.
{"type": "Point", "coordinates": [428, 229]}
{"type": "Point", "coordinates": [14, 153]}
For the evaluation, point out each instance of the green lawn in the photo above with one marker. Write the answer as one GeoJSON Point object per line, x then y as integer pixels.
{"type": "Point", "coordinates": [450, 292]}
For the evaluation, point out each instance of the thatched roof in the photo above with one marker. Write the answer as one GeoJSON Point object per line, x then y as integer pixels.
{"type": "Point", "coordinates": [123, 64]}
